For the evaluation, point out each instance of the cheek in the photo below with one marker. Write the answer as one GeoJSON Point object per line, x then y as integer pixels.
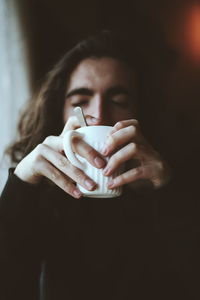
{"type": "Point", "coordinates": [67, 112]}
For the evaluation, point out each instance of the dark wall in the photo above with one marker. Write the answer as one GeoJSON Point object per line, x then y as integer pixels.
{"type": "Point", "coordinates": [52, 27]}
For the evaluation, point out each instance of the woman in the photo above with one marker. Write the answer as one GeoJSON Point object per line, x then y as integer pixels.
{"type": "Point", "coordinates": [87, 248]}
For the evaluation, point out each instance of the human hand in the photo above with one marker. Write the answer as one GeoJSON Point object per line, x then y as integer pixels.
{"type": "Point", "coordinates": [48, 160]}
{"type": "Point", "coordinates": [127, 144]}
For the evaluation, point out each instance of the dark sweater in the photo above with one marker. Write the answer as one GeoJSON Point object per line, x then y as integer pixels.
{"type": "Point", "coordinates": [54, 247]}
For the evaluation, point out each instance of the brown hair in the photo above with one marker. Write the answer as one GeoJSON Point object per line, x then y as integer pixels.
{"type": "Point", "coordinates": [43, 115]}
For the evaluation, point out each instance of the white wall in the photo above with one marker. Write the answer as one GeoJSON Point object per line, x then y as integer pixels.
{"type": "Point", "coordinates": [14, 79]}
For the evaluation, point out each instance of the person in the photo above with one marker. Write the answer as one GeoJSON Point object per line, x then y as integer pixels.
{"type": "Point", "coordinates": [53, 246]}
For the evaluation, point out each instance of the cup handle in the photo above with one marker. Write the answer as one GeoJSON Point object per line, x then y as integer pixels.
{"type": "Point", "coordinates": [67, 146]}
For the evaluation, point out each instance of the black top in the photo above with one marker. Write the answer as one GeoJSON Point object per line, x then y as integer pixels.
{"type": "Point", "coordinates": [54, 247]}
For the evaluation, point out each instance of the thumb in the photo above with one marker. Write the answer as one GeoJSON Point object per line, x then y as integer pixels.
{"type": "Point", "coordinates": [71, 124]}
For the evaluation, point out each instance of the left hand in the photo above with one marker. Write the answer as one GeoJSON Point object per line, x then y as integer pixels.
{"type": "Point", "coordinates": [127, 144]}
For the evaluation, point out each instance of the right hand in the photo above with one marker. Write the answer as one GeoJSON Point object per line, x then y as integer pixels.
{"type": "Point", "coordinates": [48, 160]}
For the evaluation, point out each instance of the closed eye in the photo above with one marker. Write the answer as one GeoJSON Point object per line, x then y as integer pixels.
{"type": "Point", "coordinates": [80, 103]}
{"type": "Point", "coordinates": [117, 103]}
{"type": "Point", "coordinates": [120, 101]}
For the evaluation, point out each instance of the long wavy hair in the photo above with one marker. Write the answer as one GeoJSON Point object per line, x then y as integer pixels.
{"type": "Point", "coordinates": [43, 114]}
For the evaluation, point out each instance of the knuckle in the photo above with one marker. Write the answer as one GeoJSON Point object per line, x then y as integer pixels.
{"type": "Point", "coordinates": [69, 188]}
{"type": "Point", "coordinates": [55, 176]}
{"type": "Point", "coordinates": [112, 139]}
{"type": "Point", "coordinates": [39, 162]}
{"type": "Point", "coordinates": [133, 147]}
{"type": "Point", "coordinates": [39, 165]}
{"type": "Point", "coordinates": [135, 122]}
{"type": "Point", "coordinates": [66, 186]}
{"type": "Point", "coordinates": [40, 148]}
{"type": "Point", "coordinates": [123, 178]}
{"type": "Point", "coordinates": [48, 139]}
{"type": "Point", "coordinates": [133, 129]}
{"type": "Point", "coordinates": [78, 173]}
{"type": "Point", "coordinates": [62, 161]}
{"type": "Point", "coordinates": [119, 124]}
{"type": "Point", "coordinates": [37, 156]}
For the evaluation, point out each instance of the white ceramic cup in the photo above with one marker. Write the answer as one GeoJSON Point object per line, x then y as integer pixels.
{"type": "Point", "coordinates": [96, 137]}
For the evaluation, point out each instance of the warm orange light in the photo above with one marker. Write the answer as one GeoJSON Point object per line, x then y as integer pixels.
{"type": "Point", "coordinates": [192, 32]}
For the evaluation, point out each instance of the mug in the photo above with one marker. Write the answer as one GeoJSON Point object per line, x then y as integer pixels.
{"type": "Point", "coordinates": [95, 136]}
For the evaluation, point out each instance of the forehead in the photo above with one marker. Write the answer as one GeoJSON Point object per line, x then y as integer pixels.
{"type": "Point", "coordinates": [101, 72]}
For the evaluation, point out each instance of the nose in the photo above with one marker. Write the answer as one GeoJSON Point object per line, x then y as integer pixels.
{"type": "Point", "coordinates": [95, 113]}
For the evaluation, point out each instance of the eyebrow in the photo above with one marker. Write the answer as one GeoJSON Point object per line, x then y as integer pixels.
{"type": "Point", "coordinates": [79, 91]}
{"type": "Point", "coordinates": [118, 89]}
{"type": "Point", "coordinates": [114, 90]}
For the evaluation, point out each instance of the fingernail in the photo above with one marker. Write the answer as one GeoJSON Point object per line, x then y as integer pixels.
{"type": "Point", "coordinates": [99, 162]}
{"type": "Point", "coordinates": [77, 193]}
{"type": "Point", "coordinates": [90, 184]}
{"type": "Point", "coordinates": [110, 184]}
{"type": "Point", "coordinates": [104, 150]}
{"type": "Point", "coordinates": [106, 171]}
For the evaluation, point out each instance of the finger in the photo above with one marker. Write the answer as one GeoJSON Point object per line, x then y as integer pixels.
{"type": "Point", "coordinates": [71, 124]}
{"type": "Point", "coordinates": [120, 137]}
{"type": "Point", "coordinates": [89, 153]}
{"type": "Point", "coordinates": [154, 172]}
{"type": "Point", "coordinates": [80, 147]}
{"type": "Point", "coordinates": [63, 165]}
{"type": "Point", "coordinates": [127, 177]}
{"type": "Point", "coordinates": [49, 171]}
{"type": "Point", "coordinates": [124, 123]}
{"type": "Point", "coordinates": [54, 142]}
{"type": "Point", "coordinates": [130, 151]}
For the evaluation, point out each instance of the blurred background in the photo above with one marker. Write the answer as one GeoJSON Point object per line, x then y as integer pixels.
{"type": "Point", "coordinates": [34, 34]}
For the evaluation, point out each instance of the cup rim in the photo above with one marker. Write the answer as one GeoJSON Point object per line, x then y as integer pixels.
{"type": "Point", "coordinates": [95, 126]}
